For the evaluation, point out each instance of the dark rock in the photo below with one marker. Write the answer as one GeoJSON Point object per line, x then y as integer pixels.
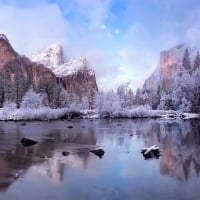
{"type": "Point", "coordinates": [28, 141]}
{"type": "Point", "coordinates": [98, 152]}
{"type": "Point", "coordinates": [70, 126]}
{"type": "Point", "coordinates": [65, 153]}
{"type": "Point", "coordinates": [172, 116]}
{"type": "Point", "coordinates": [23, 123]}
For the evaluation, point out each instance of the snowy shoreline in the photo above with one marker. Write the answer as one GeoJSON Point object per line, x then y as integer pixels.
{"type": "Point", "coordinates": [46, 114]}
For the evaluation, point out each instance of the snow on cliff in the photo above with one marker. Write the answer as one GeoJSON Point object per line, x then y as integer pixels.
{"type": "Point", "coordinates": [72, 67]}
{"type": "Point", "coordinates": [53, 58]}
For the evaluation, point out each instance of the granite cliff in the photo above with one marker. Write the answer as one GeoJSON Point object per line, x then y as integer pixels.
{"type": "Point", "coordinates": [48, 75]}
{"type": "Point", "coordinates": [75, 74]}
{"type": "Point", "coordinates": [170, 62]}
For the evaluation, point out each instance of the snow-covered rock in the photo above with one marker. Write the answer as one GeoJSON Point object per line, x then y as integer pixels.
{"type": "Point", "coordinates": [51, 57]}
{"type": "Point", "coordinates": [72, 67]}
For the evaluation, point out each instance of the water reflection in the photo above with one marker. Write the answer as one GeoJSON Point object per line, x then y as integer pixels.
{"type": "Point", "coordinates": [46, 157]}
{"type": "Point", "coordinates": [178, 140]}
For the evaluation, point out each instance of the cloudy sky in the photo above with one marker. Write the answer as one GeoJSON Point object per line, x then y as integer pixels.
{"type": "Point", "coordinates": [122, 39]}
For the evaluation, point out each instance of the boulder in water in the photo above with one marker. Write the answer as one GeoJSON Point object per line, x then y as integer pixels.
{"type": "Point", "coordinates": [28, 141]}
{"type": "Point", "coordinates": [151, 152]}
{"type": "Point", "coordinates": [65, 153]}
{"type": "Point", "coordinates": [98, 152]}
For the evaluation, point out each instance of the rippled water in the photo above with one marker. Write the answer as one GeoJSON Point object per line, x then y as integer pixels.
{"type": "Point", "coordinates": [42, 172]}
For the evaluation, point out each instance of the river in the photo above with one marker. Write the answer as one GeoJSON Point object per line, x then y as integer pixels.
{"type": "Point", "coordinates": [42, 172]}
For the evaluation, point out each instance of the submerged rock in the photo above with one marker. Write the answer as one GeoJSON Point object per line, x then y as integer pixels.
{"type": "Point", "coordinates": [65, 153]}
{"type": "Point", "coordinates": [98, 152]}
{"type": "Point", "coordinates": [28, 141]}
{"type": "Point", "coordinates": [151, 152]}
{"type": "Point", "coordinates": [23, 123]}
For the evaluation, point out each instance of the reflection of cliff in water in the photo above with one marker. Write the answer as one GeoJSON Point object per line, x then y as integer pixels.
{"type": "Point", "coordinates": [44, 157]}
{"type": "Point", "coordinates": [180, 142]}
{"type": "Point", "coordinates": [78, 143]}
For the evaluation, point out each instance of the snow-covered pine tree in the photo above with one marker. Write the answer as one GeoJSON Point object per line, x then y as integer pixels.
{"type": "Point", "coordinates": [31, 100]}
{"type": "Point", "coordinates": [196, 61]}
{"type": "Point", "coordinates": [186, 63]}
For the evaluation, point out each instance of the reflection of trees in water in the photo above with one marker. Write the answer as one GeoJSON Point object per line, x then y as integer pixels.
{"type": "Point", "coordinates": [180, 142]}
{"type": "Point", "coordinates": [14, 157]}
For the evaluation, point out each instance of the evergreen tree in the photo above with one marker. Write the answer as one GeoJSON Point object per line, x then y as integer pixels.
{"type": "Point", "coordinates": [196, 62]}
{"type": "Point", "coordinates": [31, 100]}
{"type": "Point", "coordinates": [186, 63]}
{"type": "Point", "coordinates": [138, 97]}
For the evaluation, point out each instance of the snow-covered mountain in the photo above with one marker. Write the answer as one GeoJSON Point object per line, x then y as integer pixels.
{"type": "Point", "coordinates": [48, 75]}
{"type": "Point", "coordinates": [52, 57]}
{"type": "Point", "coordinates": [73, 66]}
{"type": "Point", "coordinates": [75, 74]}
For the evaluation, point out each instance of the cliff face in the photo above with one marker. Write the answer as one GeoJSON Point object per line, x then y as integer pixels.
{"type": "Point", "coordinates": [18, 74]}
{"type": "Point", "coordinates": [170, 62]}
{"type": "Point", "coordinates": [50, 57]}
{"type": "Point", "coordinates": [47, 74]}
{"type": "Point", "coordinates": [151, 83]}
{"type": "Point", "coordinates": [75, 75]}
{"type": "Point", "coordinates": [7, 53]}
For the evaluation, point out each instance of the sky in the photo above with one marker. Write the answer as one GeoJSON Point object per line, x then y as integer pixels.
{"type": "Point", "coordinates": [121, 39]}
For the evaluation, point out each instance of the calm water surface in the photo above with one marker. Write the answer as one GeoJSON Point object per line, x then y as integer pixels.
{"type": "Point", "coordinates": [43, 173]}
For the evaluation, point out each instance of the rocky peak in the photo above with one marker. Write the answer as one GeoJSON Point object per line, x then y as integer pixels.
{"type": "Point", "coordinates": [51, 57]}
{"type": "Point", "coordinates": [75, 74]}
{"type": "Point", "coordinates": [73, 66]}
{"type": "Point", "coordinates": [7, 53]}
{"type": "Point", "coordinates": [171, 60]}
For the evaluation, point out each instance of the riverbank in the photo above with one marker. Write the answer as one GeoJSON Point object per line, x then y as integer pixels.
{"type": "Point", "coordinates": [46, 113]}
